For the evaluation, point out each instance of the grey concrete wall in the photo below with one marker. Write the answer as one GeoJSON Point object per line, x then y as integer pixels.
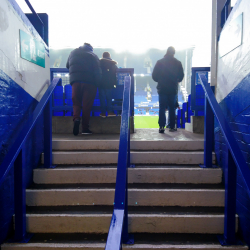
{"type": "Point", "coordinates": [98, 125]}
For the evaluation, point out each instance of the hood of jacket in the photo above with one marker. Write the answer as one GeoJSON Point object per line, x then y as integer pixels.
{"type": "Point", "coordinates": [108, 61]}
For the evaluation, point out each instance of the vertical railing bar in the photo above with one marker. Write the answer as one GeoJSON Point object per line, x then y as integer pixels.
{"type": "Point", "coordinates": [208, 135]}
{"type": "Point", "coordinates": [48, 134]}
{"type": "Point", "coordinates": [20, 197]}
{"type": "Point", "coordinates": [230, 172]}
{"type": "Point", "coordinates": [125, 235]}
{"type": "Point", "coordinates": [121, 190]}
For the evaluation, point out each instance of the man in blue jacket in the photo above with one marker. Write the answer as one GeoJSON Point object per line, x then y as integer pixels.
{"type": "Point", "coordinates": [85, 74]}
{"type": "Point", "coordinates": [168, 72]}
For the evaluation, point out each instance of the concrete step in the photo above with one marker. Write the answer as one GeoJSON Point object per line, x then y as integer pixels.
{"type": "Point", "coordinates": [138, 223]}
{"type": "Point", "coordinates": [157, 174]}
{"type": "Point", "coordinates": [142, 241]}
{"type": "Point", "coordinates": [113, 145]}
{"type": "Point", "coordinates": [150, 157]}
{"type": "Point", "coordinates": [136, 197]}
{"type": "Point", "coordinates": [101, 246]}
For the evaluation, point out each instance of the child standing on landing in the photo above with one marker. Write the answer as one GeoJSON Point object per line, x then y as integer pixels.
{"type": "Point", "coordinates": [108, 82]}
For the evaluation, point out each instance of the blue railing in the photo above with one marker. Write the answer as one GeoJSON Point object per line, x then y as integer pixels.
{"type": "Point", "coordinates": [118, 231]}
{"type": "Point", "coordinates": [38, 19]}
{"type": "Point", "coordinates": [225, 13]}
{"type": "Point", "coordinates": [117, 94]}
{"type": "Point", "coordinates": [197, 108]}
{"type": "Point", "coordinates": [235, 159]}
{"type": "Point", "coordinates": [15, 157]}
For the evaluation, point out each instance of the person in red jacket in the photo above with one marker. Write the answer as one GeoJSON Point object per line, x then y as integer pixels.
{"type": "Point", "coordinates": [85, 75]}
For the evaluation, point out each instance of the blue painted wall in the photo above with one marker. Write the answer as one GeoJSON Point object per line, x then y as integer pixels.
{"type": "Point", "coordinates": [236, 108]}
{"type": "Point", "coordinates": [232, 93]}
{"type": "Point", "coordinates": [15, 106]}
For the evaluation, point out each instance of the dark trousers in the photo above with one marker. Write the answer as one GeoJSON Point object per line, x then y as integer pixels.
{"type": "Point", "coordinates": [167, 101]}
{"type": "Point", "coordinates": [83, 96]}
{"type": "Point", "coordinates": [106, 94]}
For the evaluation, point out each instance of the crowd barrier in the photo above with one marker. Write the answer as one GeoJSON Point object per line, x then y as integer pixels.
{"type": "Point", "coordinates": [62, 97]}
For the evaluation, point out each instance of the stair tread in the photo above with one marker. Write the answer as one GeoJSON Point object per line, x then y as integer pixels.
{"type": "Point", "coordinates": [152, 210]}
{"type": "Point", "coordinates": [131, 151]}
{"type": "Point", "coordinates": [114, 166]}
{"type": "Point", "coordinates": [142, 240]}
{"type": "Point", "coordinates": [130, 189]}
{"type": "Point", "coordinates": [151, 239]}
{"type": "Point", "coordinates": [73, 246]}
{"type": "Point", "coordinates": [140, 186]}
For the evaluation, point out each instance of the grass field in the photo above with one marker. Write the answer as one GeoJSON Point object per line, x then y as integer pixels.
{"type": "Point", "coordinates": [146, 121]}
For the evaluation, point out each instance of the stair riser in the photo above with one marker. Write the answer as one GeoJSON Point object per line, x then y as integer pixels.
{"type": "Point", "coordinates": [135, 175]}
{"type": "Point", "coordinates": [53, 246]}
{"type": "Point", "coordinates": [186, 198]}
{"type": "Point", "coordinates": [73, 158]}
{"type": "Point", "coordinates": [99, 223]}
{"type": "Point", "coordinates": [69, 145]}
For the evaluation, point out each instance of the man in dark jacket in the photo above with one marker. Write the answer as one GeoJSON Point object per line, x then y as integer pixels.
{"type": "Point", "coordinates": [107, 84]}
{"type": "Point", "coordinates": [168, 72]}
{"type": "Point", "coordinates": [85, 74]}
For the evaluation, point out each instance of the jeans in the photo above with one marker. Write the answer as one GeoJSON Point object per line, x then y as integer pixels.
{"type": "Point", "coordinates": [167, 101]}
{"type": "Point", "coordinates": [83, 96]}
{"type": "Point", "coordinates": [105, 94]}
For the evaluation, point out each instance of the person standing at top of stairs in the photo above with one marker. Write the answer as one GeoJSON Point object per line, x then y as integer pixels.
{"type": "Point", "coordinates": [168, 72]}
{"type": "Point", "coordinates": [107, 84]}
{"type": "Point", "coordinates": [85, 74]}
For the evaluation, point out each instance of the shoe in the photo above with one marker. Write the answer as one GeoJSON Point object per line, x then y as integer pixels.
{"type": "Point", "coordinates": [76, 127]}
{"type": "Point", "coordinates": [110, 114]}
{"type": "Point", "coordinates": [86, 132]}
{"type": "Point", "coordinates": [172, 129]}
{"type": "Point", "coordinates": [103, 115]}
{"type": "Point", "coordinates": [161, 130]}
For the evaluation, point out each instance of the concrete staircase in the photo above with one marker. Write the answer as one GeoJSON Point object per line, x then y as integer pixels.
{"type": "Point", "coordinates": [173, 204]}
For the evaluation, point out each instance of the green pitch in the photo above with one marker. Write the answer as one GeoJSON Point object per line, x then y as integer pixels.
{"type": "Point", "coordinates": [146, 121]}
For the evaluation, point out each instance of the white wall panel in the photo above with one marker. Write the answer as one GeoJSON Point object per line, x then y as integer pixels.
{"type": "Point", "coordinates": [235, 66]}
{"type": "Point", "coordinates": [31, 77]}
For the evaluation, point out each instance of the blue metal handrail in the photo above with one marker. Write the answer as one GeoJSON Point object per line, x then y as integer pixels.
{"type": "Point", "coordinates": [225, 13]}
{"type": "Point", "coordinates": [15, 157]}
{"type": "Point", "coordinates": [235, 159]}
{"type": "Point", "coordinates": [34, 12]}
{"type": "Point", "coordinates": [118, 231]}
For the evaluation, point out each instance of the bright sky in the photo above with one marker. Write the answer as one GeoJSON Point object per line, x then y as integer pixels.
{"type": "Point", "coordinates": [133, 25]}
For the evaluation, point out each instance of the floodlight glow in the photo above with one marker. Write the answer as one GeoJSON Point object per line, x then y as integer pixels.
{"type": "Point", "coordinates": [58, 75]}
{"type": "Point", "coordinates": [142, 75]}
{"type": "Point", "coordinates": [67, 75]}
{"type": "Point", "coordinates": [136, 33]}
{"type": "Point", "coordinates": [134, 74]}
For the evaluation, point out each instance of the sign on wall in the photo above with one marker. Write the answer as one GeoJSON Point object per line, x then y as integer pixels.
{"type": "Point", "coordinates": [231, 36]}
{"type": "Point", "coordinates": [31, 49]}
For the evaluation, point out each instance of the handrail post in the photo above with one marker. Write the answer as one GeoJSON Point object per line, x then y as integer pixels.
{"type": "Point", "coordinates": [20, 197]}
{"type": "Point", "coordinates": [48, 134]}
{"type": "Point", "coordinates": [126, 237]}
{"type": "Point", "coordinates": [208, 135]}
{"type": "Point", "coordinates": [230, 172]}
